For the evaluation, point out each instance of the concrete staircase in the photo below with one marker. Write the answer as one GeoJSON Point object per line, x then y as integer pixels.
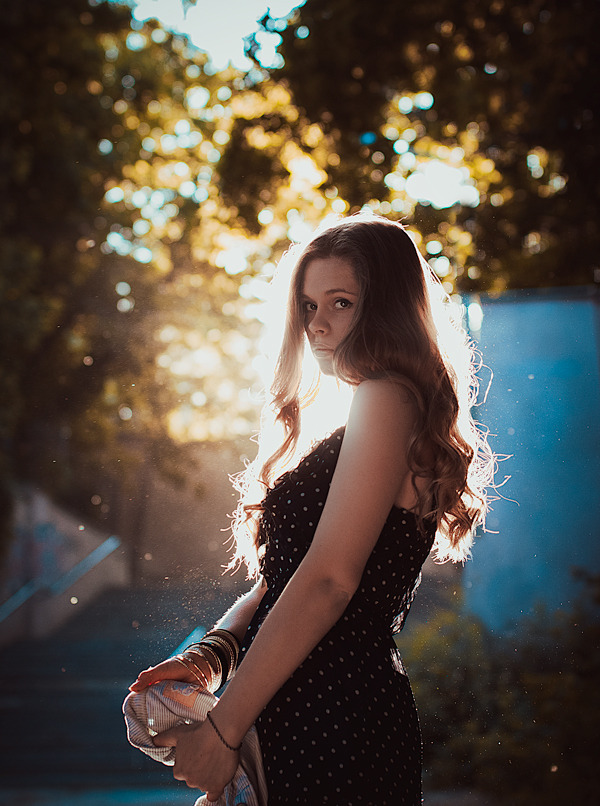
{"type": "Point", "coordinates": [61, 697]}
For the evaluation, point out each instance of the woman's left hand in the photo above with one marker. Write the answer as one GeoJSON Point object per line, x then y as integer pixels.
{"type": "Point", "coordinates": [170, 669]}
{"type": "Point", "coordinates": [201, 759]}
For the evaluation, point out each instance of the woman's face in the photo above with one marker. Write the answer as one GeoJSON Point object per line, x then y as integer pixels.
{"type": "Point", "coordinates": [329, 295]}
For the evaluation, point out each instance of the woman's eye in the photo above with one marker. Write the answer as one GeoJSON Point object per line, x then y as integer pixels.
{"type": "Point", "coordinates": [310, 306]}
{"type": "Point", "coordinates": [343, 303]}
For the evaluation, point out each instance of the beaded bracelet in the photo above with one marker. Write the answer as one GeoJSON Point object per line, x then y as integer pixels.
{"type": "Point", "coordinates": [220, 735]}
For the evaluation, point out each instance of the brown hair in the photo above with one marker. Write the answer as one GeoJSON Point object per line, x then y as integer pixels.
{"type": "Point", "coordinates": [403, 330]}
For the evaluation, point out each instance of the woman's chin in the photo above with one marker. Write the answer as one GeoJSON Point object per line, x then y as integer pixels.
{"type": "Point", "coordinates": [326, 365]}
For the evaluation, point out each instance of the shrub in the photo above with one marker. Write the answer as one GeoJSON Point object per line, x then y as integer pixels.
{"type": "Point", "coordinates": [515, 715]}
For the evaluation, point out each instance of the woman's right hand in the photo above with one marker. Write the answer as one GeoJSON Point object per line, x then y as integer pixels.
{"type": "Point", "coordinates": [170, 669]}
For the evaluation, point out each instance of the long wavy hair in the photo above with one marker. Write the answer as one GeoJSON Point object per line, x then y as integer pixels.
{"type": "Point", "coordinates": [404, 328]}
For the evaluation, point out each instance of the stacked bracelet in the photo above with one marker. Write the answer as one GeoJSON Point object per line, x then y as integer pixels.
{"type": "Point", "coordinates": [228, 648]}
{"type": "Point", "coordinates": [214, 662]}
{"type": "Point", "coordinates": [220, 649]}
{"type": "Point", "coordinates": [195, 670]}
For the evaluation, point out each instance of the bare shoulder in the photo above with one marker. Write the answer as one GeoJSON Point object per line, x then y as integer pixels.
{"type": "Point", "coordinates": [371, 475]}
{"type": "Point", "coordinates": [381, 421]}
{"type": "Point", "coordinates": [381, 403]}
{"type": "Point", "coordinates": [391, 388]}
{"type": "Point", "coordinates": [380, 428]}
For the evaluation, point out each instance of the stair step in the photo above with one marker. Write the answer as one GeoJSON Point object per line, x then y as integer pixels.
{"type": "Point", "coordinates": [61, 697]}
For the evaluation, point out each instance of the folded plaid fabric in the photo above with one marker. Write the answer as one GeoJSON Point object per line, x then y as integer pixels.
{"type": "Point", "coordinates": [170, 703]}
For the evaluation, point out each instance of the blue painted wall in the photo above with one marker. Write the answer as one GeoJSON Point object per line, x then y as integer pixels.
{"type": "Point", "coordinates": [544, 407]}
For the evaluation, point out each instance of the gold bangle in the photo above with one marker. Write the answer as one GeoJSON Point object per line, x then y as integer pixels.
{"type": "Point", "coordinates": [230, 638]}
{"type": "Point", "coordinates": [193, 670]}
{"type": "Point", "coordinates": [189, 654]}
{"type": "Point", "coordinates": [225, 640]}
{"type": "Point", "coordinates": [221, 643]}
{"type": "Point", "coordinates": [217, 667]}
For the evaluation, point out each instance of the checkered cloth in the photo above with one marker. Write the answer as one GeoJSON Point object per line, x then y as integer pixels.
{"type": "Point", "coordinates": [170, 703]}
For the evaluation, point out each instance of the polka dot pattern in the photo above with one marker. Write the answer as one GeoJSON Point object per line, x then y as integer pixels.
{"type": "Point", "coordinates": [343, 730]}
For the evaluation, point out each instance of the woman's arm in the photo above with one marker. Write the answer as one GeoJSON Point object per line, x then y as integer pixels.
{"type": "Point", "coordinates": [371, 469]}
{"type": "Point", "coordinates": [236, 620]}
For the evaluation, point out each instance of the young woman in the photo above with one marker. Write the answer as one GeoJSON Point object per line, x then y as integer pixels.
{"type": "Point", "coordinates": [339, 540]}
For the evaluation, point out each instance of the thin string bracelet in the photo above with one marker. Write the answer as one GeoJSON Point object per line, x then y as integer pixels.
{"type": "Point", "coordinates": [219, 734]}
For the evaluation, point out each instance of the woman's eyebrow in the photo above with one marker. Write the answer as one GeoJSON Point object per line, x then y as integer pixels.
{"type": "Point", "coordinates": [333, 291]}
{"type": "Point", "coordinates": [341, 291]}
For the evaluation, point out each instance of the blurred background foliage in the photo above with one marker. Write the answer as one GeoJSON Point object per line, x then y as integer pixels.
{"type": "Point", "coordinates": [512, 84]}
{"type": "Point", "coordinates": [146, 198]}
{"type": "Point", "coordinates": [511, 716]}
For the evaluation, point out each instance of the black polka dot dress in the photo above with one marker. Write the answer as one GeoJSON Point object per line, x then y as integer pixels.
{"type": "Point", "coordinates": [343, 729]}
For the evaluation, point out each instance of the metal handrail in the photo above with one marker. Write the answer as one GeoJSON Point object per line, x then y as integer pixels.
{"type": "Point", "coordinates": [64, 582]}
{"type": "Point", "coordinates": [196, 635]}
{"type": "Point", "coordinates": [19, 598]}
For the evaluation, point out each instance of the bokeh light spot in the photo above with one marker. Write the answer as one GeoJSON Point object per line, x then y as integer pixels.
{"type": "Point", "coordinates": [201, 195]}
{"type": "Point", "coordinates": [142, 254]}
{"type": "Point", "coordinates": [265, 217]}
{"type": "Point", "coordinates": [141, 226]}
{"type": "Point", "coordinates": [114, 195]}
{"type": "Point", "coordinates": [197, 97]}
{"type": "Point", "coordinates": [187, 189]}
{"type": "Point", "coordinates": [125, 304]}
{"type": "Point", "coordinates": [125, 413]}
{"type": "Point", "coordinates": [423, 100]}
{"type": "Point", "coordinates": [433, 247]}
{"type": "Point", "coordinates": [441, 266]}
{"type": "Point", "coordinates": [440, 185]}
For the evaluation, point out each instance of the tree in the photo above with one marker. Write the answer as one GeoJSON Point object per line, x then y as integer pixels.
{"type": "Point", "coordinates": [52, 180]}
{"type": "Point", "coordinates": [514, 82]}
{"type": "Point", "coordinates": [103, 272]}
{"type": "Point", "coordinates": [146, 197]}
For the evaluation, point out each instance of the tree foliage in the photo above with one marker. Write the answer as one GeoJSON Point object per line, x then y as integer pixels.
{"type": "Point", "coordinates": [133, 257]}
{"type": "Point", "coordinates": [107, 272]}
{"type": "Point", "coordinates": [514, 82]}
{"type": "Point", "coordinates": [146, 197]}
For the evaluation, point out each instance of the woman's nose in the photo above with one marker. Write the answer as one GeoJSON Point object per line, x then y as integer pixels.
{"type": "Point", "coordinates": [318, 324]}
